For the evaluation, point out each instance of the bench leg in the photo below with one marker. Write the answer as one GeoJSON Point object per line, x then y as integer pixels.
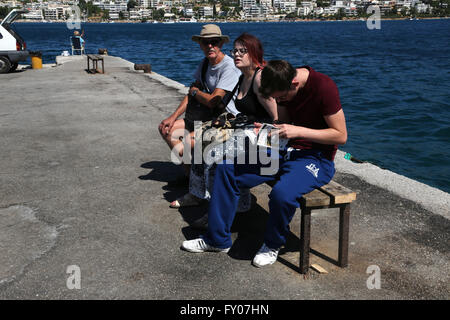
{"type": "Point", "coordinates": [305, 231]}
{"type": "Point", "coordinates": [344, 219]}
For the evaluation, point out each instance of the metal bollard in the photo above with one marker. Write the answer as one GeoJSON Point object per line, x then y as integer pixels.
{"type": "Point", "coordinates": [146, 67]}
{"type": "Point", "coordinates": [103, 51]}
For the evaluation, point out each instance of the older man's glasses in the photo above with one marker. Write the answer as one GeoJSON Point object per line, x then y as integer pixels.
{"type": "Point", "coordinates": [214, 42]}
{"type": "Point", "coordinates": [241, 51]}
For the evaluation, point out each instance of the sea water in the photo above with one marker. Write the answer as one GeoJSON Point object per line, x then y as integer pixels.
{"type": "Point", "coordinates": [394, 82]}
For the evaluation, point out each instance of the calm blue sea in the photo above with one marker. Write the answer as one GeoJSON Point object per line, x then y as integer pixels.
{"type": "Point", "coordinates": [394, 82]}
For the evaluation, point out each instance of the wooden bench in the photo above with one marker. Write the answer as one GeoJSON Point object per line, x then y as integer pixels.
{"type": "Point", "coordinates": [332, 195]}
{"type": "Point", "coordinates": [95, 59]}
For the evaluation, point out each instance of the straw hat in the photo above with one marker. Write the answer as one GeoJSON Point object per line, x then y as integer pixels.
{"type": "Point", "coordinates": [76, 33]}
{"type": "Point", "coordinates": [210, 31]}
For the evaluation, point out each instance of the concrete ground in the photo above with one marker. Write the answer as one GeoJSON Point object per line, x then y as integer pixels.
{"type": "Point", "coordinates": [84, 186]}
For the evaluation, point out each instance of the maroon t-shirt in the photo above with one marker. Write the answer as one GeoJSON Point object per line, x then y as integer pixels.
{"type": "Point", "coordinates": [318, 98]}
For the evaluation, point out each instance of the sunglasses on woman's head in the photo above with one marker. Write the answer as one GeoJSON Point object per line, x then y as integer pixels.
{"type": "Point", "coordinates": [213, 41]}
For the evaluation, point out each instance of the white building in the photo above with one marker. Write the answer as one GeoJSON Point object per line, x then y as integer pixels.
{"type": "Point", "coordinates": [56, 11]}
{"type": "Point", "coordinates": [138, 14]}
{"type": "Point", "coordinates": [266, 3]}
{"type": "Point", "coordinates": [422, 7]}
{"type": "Point", "coordinates": [285, 5]}
{"type": "Point", "coordinates": [51, 14]}
{"type": "Point", "coordinates": [253, 12]}
{"type": "Point", "coordinates": [205, 12]}
{"type": "Point", "coordinates": [144, 3]}
{"type": "Point", "coordinates": [329, 11]}
{"type": "Point", "coordinates": [303, 11]}
{"type": "Point", "coordinates": [114, 8]}
{"type": "Point", "coordinates": [188, 12]}
{"type": "Point", "coordinates": [247, 3]}
{"type": "Point", "coordinates": [34, 15]}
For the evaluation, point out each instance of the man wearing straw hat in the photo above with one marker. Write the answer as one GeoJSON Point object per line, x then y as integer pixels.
{"type": "Point", "coordinates": [215, 76]}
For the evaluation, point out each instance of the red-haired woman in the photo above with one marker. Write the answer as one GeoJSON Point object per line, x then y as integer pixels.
{"type": "Point", "coordinates": [248, 57]}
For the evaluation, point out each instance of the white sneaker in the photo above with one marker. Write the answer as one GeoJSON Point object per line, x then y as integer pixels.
{"type": "Point", "coordinates": [265, 256]}
{"type": "Point", "coordinates": [199, 245]}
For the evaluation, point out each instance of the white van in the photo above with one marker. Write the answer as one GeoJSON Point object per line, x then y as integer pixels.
{"type": "Point", "coordinates": [12, 46]}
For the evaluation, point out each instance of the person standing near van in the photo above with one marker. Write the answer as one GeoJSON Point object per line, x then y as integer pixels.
{"type": "Point", "coordinates": [215, 76]}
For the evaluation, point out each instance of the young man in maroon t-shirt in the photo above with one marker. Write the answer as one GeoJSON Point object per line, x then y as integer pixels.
{"type": "Point", "coordinates": [313, 121]}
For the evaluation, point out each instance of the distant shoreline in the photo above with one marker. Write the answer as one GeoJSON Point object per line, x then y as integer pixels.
{"type": "Point", "coordinates": [238, 21]}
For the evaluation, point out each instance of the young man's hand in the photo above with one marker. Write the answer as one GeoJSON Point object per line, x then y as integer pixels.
{"type": "Point", "coordinates": [287, 131]}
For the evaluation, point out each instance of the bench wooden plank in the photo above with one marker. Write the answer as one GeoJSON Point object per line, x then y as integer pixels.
{"type": "Point", "coordinates": [95, 57]}
{"type": "Point", "coordinates": [315, 198]}
{"type": "Point", "coordinates": [339, 193]}
{"type": "Point", "coordinates": [332, 195]}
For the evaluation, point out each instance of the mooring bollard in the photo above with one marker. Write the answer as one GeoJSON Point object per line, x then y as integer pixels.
{"type": "Point", "coordinates": [36, 59]}
{"type": "Point", "coordinates": [146, 67]}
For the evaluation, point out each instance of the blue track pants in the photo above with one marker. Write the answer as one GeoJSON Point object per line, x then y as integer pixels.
{"type": "Point", "coordinates": [304, 171]}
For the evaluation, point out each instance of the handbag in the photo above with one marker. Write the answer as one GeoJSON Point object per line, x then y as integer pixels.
{"type": "Point", "coordinates": [196, 111]}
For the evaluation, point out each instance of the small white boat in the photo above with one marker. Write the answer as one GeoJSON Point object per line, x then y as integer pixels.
{"type": "Point", "coordinates": [187, 20]}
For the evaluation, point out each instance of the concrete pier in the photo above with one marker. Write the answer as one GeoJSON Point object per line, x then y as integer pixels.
{"type": "Point", "coordinates": [84, 186]}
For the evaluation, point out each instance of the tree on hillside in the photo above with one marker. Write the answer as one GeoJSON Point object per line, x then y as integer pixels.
{"type": "Point", "coordinates": [131, 4]}
{"type": "Point", "coordinates": [4, 12]}
{"type": "Point", "coordinates": [106, 14]}
{"type": "Point", "coordinates": [340, 14]}
{"type": "Point", "coordinates": [89, 8]}
{"type": "Point", "coordinates": [158, 14]}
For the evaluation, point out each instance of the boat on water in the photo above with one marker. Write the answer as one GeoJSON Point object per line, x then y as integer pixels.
{"type": "Point", "coordinates": [188, 20]}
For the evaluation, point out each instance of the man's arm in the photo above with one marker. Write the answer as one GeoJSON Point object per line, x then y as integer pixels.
{"type": "Point", "coordinates": [210, 100]}
{"type": "Point", "coordinates": [229, 77]}
{"type": "Point", "coordinates": [166, 125]}
{"type": "Point", "coordinates": [335, 134]}
{"type": "Point", "coordinates": [181, 107]}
